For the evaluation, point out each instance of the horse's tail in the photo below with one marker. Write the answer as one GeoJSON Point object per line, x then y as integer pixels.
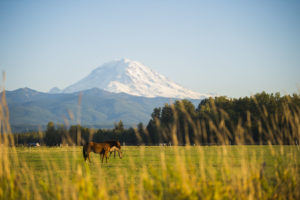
{"type": "Point", "coordinates": [84, 151]}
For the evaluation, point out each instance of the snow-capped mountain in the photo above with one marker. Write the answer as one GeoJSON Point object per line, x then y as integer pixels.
{"type": "Point", "coordinates": [133, 78]}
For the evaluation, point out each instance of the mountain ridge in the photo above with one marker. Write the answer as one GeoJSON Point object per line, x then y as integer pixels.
{"type": "Point", "coordinates": [93, 107]}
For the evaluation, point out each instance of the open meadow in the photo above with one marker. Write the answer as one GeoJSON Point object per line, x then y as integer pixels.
{"type": "Point", "coordinates": [228, 170]}
{"type": "Point", "coordinates": [152, 172]}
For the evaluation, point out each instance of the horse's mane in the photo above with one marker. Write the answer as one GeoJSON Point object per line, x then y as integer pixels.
{"type": "Point", "coordinates": [115, 143]}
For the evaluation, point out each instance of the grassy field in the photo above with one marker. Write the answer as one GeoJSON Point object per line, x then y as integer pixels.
{"type": "Point", "coordinates": [190, 172]}
{"type": "Point", "coordinates": [161, 172]}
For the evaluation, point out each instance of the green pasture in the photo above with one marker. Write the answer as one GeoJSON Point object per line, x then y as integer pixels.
{"type": "Point", "coordinates": [64, 161]}
{"type": "Point", "coordinates": [155, 172]}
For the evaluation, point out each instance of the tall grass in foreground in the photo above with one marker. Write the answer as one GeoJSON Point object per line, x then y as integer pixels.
{"type": "Point", "coordinates": [177, 172]}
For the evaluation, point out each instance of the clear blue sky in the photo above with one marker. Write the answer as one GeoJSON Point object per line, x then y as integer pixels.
{"type": "Point", "coordinates": [232, 48]}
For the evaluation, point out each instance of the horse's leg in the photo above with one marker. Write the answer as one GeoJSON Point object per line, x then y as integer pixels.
{"type": "Point", "coordinates": [89, 153]}
{"type": "Point", "coordinates": [102, 157]}
{"type": "Point", "coordinates": [106, 154]}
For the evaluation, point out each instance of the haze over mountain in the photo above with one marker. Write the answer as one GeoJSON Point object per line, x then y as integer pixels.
{"type": "Point", "coordinates": [134, 78]}
{"type": "Point", "coordinates": [55, 90]}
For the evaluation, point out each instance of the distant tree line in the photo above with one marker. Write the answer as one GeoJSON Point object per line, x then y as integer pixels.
{"type": "Point", "coordinates": [56, 135]}
{"type": "Point", "coordinates": [260, 119]}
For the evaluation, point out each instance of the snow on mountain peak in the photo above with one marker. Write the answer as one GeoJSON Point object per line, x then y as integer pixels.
{"type": "Point", "coordinates": [132, 77]}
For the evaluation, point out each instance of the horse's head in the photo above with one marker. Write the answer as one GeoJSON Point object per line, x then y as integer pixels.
{"type": "Point", "coordinates": [120, 154]}
{"type": "Point", "coordinates": [118, 144]}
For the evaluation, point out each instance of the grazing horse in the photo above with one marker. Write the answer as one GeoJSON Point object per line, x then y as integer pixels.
{"type": "Point", "coordinates": [101, 148]}
{"type": "Point", "coordinates": [115, 146]}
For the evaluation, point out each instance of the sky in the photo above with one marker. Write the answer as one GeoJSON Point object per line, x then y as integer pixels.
{"type": "Point", "coordinates": [232, 48]}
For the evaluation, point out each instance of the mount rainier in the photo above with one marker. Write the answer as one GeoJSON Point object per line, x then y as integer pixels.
{"type": "Point", "coordinates": [134, 78]}
{"type": "Point", "coordinates": [128, 85]}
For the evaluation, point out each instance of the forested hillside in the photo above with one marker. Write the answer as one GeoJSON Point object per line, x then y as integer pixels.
{"type": "Point", "coordinates": [30, 109]}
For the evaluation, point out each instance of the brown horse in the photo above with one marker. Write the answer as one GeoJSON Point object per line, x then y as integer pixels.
{"type": "Point", "coordinates": [114, 146]}
{"type": "Point", "coordinates": [101, 148]}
